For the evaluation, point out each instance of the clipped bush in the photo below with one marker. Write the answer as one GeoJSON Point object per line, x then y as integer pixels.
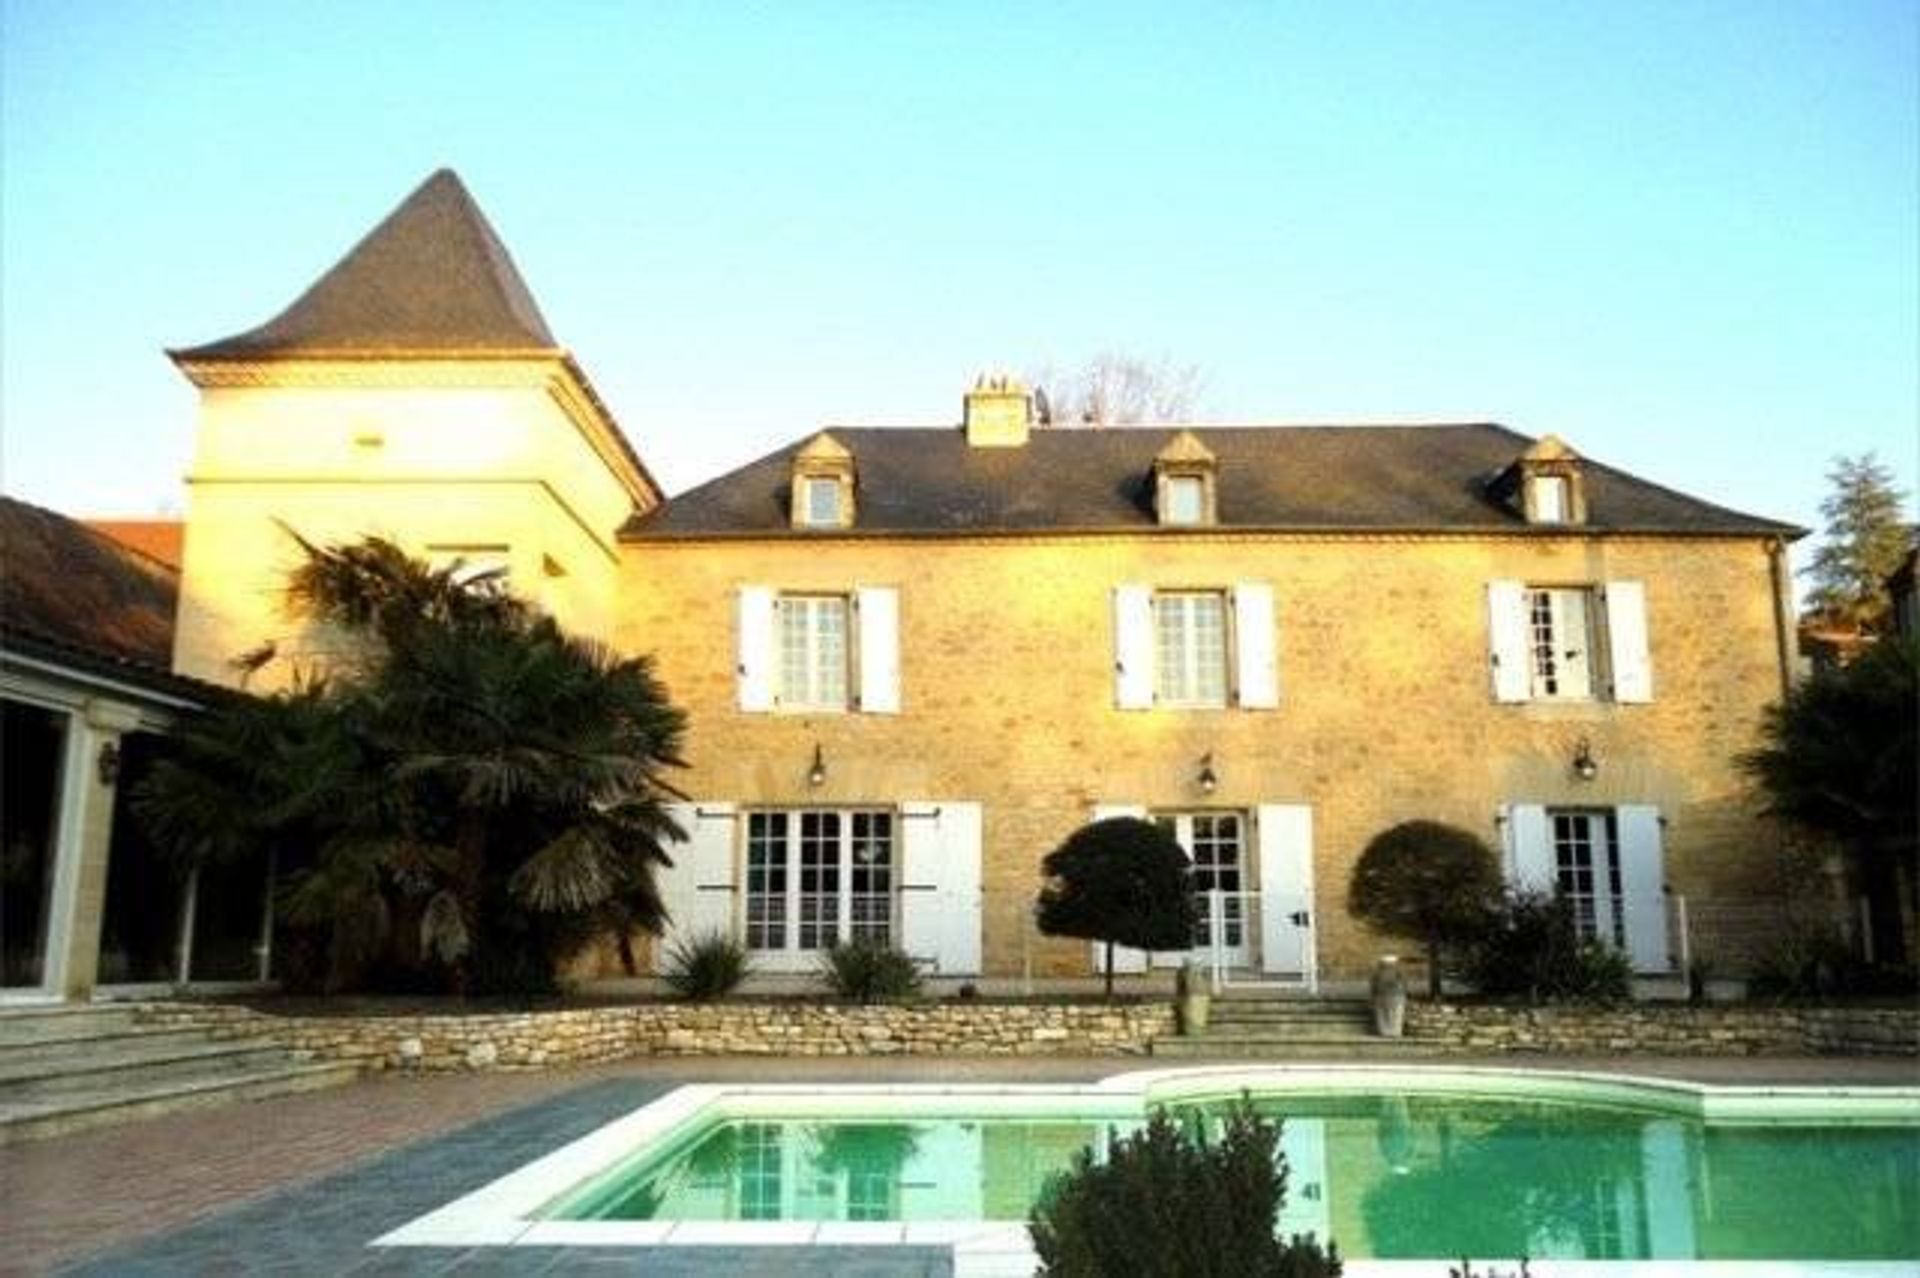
{"type": "Point", "coordinates": [868, 972]}
{"type": "Point", "coordinates": [1529, 947]}
{"type": "Point", "coordinates": [1166, 1201]}
{"type": "Point", "coordinates": [705, 968]}
{"type": "Point", "coordinates": [1426, 881]}
{"type": "Point", "coordinates": [1121, 881]}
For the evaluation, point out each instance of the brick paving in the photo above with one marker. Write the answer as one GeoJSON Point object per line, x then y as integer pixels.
{"type": "Point", "coordinates": [298, 1184]}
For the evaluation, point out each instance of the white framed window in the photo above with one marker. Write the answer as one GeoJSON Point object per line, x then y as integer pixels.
{"type": "Point", "coordinates": [1216, 843]}
{"type": "Point", "coordinates": [1190, 648]}
{"type": "Point", "coordinates": [1186, 500]}
{"type": "Point", "coordinates": [1550, 499]}
{"type": "Point", "coordinates": [1560, 635]}
{"type": "Point", "coordinates": [821, 498]}
{"type": "Point", "coordinates": [811, 633]}
{"type": "Point", "coordinates": [817, 877]}
{"type": "Point", "coordinates": [1586, 868]}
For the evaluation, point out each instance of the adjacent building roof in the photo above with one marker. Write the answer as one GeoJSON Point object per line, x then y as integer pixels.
{"type": "Point", "coordinates": [1306, 478]}
{"type": "Point", "coordinates": [432, 278]}
{"type": "Point", "coordinates": [75, 597]}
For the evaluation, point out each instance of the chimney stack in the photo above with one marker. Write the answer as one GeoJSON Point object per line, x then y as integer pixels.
{"type": "Point", "coordinates": [999, 412]}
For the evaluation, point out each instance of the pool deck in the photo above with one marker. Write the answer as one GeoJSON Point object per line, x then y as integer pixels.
{"type": "Point", "coordinates": [299, 1184]}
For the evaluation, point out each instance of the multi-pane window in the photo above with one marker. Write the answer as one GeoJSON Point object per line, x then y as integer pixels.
{"type": "Point", "coordinates": [1586, 857]}
{"type": "Point", "coordinates": [818, 877]}
{"type": "Point", "coordinates": [822, 502]}
{"type": "Point", "coordinates": [1190, 648]}
{"type": "Point", "coordinates": [1216, 844]}
{"type": "Point", "coordinates": [1549, 499]}
{"type": "Point", "coordinates": [1560, 636]}
{"type": "Point", "coordinates": [812, 631]}
{"type": "Point", "coordinates": [1186, 500]}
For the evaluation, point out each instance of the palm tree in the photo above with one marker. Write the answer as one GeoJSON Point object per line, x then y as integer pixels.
{"type": "Point", "coordinates": [478, 789]}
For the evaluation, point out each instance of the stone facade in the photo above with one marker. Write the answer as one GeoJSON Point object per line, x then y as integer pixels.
{"type": "Point", "coordinates": [1670, 1031]}
{"type": "Point", "coordinates": [1385, 714]}
{"type": "Point", "coordinates": [534, 1040]}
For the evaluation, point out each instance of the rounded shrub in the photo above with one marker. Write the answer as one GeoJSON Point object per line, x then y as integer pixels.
{"type": "Point", "coordinates": [1430, 882]}
{"type": "Point", "coordinates": [869, 972]}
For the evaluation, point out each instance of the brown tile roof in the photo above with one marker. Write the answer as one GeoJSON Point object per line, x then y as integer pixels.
{"type": "Point", "coordinates": [1412, 478]}
{"type": "Point", "coordinates": [431, 278]}
{"type": "Point", "coordinates": [62, 583]}
{"type": "Point", "coordinates": [158, 539]}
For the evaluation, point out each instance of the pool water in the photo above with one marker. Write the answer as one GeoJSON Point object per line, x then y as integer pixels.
{"type": "Point", "coordinates": [1412, 1177]}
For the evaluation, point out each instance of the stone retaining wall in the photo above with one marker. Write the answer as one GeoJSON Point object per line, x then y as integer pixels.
{"type": "Point", "coordinates": [531, 1040]}
{"type": "Point", "coordinates": [1647, 1029]}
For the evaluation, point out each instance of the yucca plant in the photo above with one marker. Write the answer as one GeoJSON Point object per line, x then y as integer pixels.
{"type": "Point", "coordinates": [870, 972]}
{"type": "Point", "coordinates": [705, 968]}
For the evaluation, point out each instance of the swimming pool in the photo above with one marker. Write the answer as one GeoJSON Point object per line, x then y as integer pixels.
{"type": "Point", "coordinates": [1391, 1162]}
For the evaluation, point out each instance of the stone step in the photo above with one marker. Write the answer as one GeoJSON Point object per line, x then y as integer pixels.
{"type": "Point", "coordinates": [1307, 1033]}
{"type": "Point", "coordinates": [1270, 1012]}
{"type": "Point", "coordinates": [22, 1120]}
{"type": "Point", "coordinates": [132, 1064]}
{"type": "Point", "coordinates": [112, 1038]}
{"type": "Point", "coordinates": [1246, 1047]}
{"type": "Point", "coordinates": [32, 1024]}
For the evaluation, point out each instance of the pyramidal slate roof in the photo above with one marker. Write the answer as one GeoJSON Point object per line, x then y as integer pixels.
{"type": "Point", "coordinates": [432, 278]}
{"type": "Point", "coordinates": [929, 481]}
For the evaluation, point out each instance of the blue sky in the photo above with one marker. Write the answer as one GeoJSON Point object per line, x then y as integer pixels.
{"type": "Point", "coordinates": [1682, 236]}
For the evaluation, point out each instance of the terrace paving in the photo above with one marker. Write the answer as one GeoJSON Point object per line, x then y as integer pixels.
{"type": "Point", "coordinates": [299, 1184]}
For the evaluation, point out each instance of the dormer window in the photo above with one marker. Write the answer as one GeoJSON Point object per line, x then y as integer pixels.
{"type": "Point", "coordinates": [1183, 495]}
{"type": "Point", "coordinates": [822, 500]}
{"type": "Point", "coordinates": [1546, 484]}
{"type": "Point", "coordinates": [821, 495]}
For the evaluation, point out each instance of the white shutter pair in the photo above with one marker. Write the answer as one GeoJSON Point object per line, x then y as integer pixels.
{"type": "Point", "coordinates": [940, 896]}
{"type": "Point", "coordinates": [876, 624]}
{"type": "Point", "coordinates": [1527, 839]}
{"type": "Point", "coordinates": [1257, 681]}
{"type": "Point", "coordinates": [1510, 645]}
{"type": "Point", "coordinates": [698, 889]}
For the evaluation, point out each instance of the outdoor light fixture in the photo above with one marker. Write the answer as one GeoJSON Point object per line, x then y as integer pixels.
{"type": "Point", "coordinates": [1209, 779]}
{"type": "Point", "coordinates": [1584, 765]}
{"type": "Point", "coordinates": [817, 774]}
{"type": "Point", "coordinates": [108, 763]}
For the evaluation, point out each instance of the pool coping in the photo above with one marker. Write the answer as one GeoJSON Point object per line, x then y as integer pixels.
{"type": "Point", "coordinates": [506, 1211]}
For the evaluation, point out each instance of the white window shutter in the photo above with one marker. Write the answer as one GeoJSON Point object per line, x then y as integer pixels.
{"type": "Point", "coordinates": [1125, 958]}
{"type": "Point", "coordinates": [1133, 647]}
{"type": "Point", "coordinates": [755, 651]}
{"type": "Point", "coordinates": [698, 891]}
{"type": "Point", "coordinates": [1627, 641]}
{"type": "Point", "coordinates": [1285, 834]}
{"type": "Point", "coordinates": [1507, 640]}
{"type": "Point", "coordinates": [1253, 639]}
{"type": "Point", "coordinates": [940, 898]}
{"type": "Point", "coordinates": [1643, 902]}
{"type": "Point", "coordinates": [1529, 848]}
{"type": "Point", "coordinates": [879, 624]}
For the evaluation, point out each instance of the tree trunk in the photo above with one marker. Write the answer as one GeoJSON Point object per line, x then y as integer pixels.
{"type": "Point", "coordinates": [1433, 970]}
{"type": "Point", "coordinates": [1109, 969]}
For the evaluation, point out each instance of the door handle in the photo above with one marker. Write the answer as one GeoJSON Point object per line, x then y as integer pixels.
{"type": "Point", "coordinates": [1300, 918]}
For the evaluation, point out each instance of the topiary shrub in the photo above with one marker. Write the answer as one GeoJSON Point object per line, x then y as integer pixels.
{"type": "Point", "coordinates": [868, 972]}
{"type": "Point", "coordinates": [705, 968]}
{"type": "Point", "coordinates": [1430, 882]}
{"type": "Point", "coordinates": [1166, 1201]}
{"type": "Point", "coordinates": [1529, 947]}
{"type": "Point", "coordinates": [1123, 881]}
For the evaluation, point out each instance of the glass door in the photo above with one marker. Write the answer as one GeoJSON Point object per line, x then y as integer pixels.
{"type": "Point", "coordinates": [33, 746]}
{"type": "Point", "coordinates": [1216, 844]}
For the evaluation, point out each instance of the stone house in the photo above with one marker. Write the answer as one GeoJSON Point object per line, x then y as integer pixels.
{"type": "Point", "coordinates": [916, 659]}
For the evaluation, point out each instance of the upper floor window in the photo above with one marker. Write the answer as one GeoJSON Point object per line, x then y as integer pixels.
{"type": "Point", "coordinates": [1186, 500]}
{"type": "Point", "coordinates": [813, 651]}
{"type": "Point", "coordinates": [1190, 648]}
{"type": "Point", "coordinates": [1569, 642]}
{"type": "Point", "coordinates": [1183, 475]}
{"type": "Point", "coordinates": [819, 649]}
{"type": "Point", "coordinates": [822, 487]}
{"type": "Point", "coordinates": [1550, 499]}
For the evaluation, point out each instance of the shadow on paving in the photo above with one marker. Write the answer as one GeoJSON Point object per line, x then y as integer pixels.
{"type": "Point", "coordinates": [324, 1227]}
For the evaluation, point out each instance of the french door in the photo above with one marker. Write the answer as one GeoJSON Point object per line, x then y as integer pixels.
{"type": "Point", "coordinates": [817, 877]}
{"type": "Point", "coordinates": [1216, 843]}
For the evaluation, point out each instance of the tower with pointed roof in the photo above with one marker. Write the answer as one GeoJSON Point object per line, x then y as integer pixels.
{"type": "Point", "coordinates": [413, 391]}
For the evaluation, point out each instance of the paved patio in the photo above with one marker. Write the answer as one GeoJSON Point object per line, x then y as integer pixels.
{"type": "Point", "coordinates": [299, 1184]}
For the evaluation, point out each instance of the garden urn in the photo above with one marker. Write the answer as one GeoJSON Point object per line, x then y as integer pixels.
{"type": "Point", "coordinates": [1389, 997]}
{"type": "Point", "coordinates": [1194, 1001]}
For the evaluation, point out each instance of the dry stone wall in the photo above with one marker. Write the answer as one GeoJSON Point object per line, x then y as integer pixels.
{"type": "Point", "coordinates": [1647, 1029]}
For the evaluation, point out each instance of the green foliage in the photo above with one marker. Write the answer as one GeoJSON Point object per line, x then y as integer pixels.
{"type": "Point", "coordinates": [1427, 881]}
{"type": "Point", "coordinates": [1168, 1201]}
{"type": "Point", "coordinates": [1839, 756]}
{"type": "Point", "coordinates": [707, 967]}
{"type": "Point", "coordinates": [868, 972]}
{"type": "Point", "coordinates": [1123, 881]}
{"type": "Point", "coordinates": [1529, 947]}
{"type": "Point", "coordinates": [476, 794]}
{"type": "Point", "coordinates": [1865, 539]}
